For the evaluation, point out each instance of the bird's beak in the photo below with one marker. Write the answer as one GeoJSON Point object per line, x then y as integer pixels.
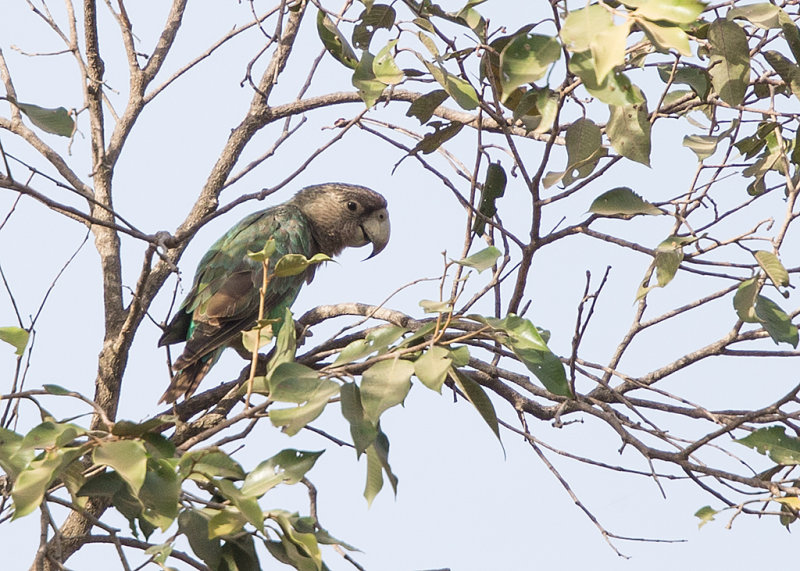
{"type": "Point", "coordinates": [376, 229]}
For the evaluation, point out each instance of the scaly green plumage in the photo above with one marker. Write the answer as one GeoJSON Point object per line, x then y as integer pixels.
{"type": "Point", "coordinates": [224, 298]}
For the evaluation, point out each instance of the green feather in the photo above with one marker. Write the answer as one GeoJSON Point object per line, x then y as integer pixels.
{"type": "Point", "coordinates": [224, 297]}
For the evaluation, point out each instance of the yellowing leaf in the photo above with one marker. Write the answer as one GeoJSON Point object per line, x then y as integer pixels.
{"type": "Point", "coordinates": [706, 514]}
{"type": "Point", "coordinates": [581, 26]}
{"type": "Point", "coordinates": [384, 66]}
{"type": "Point", "coordinates": [667, 38]}
{"type": "Point", "coordinates": [16, 337]}
{"type": "Point", "coordinates": [608, 48]}
{"type": "Point", "coordinates": [675, 11]}
{"type": "Point", "coordinates": [744, 300]}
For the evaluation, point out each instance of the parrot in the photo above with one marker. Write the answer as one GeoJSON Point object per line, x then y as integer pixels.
{"type": "Point", "coordinates": [224, 297]}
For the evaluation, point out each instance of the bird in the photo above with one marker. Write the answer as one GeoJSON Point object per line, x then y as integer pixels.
{"type": "Point", "coordinates": [224, 298]}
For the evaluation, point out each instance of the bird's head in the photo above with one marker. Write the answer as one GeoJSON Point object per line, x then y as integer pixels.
{"type": "Point", "coordinates": [345, 215]}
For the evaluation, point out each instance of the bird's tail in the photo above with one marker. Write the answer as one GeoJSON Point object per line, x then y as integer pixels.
{"type": "Point", "coordinates": [186, 380]}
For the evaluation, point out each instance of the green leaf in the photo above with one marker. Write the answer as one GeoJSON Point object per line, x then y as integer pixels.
{"type": "Point", "coordinates": [56, 390]}
{"type": "Point", "coordinates": [377, 465]}
{"type": "Point", "coordinates": [622, 201]}
{"type": "Point", "coordinates": [628, 130]}
{"type": "Point", "coordinates": [613, 89]}
{"type": "Point", "coordinates": [374, 481]}
{"type": "Point", "coordinates": [381, 337]}
{"type": "Point", "coordinates": [479, 399]}
{"type": "Point", "coordinates": [460, 90]}
{"type": "Point", "coordinates": [160, 493]}
{"type": "Point", "coordinates": [744, 300]}
{"type": "Point", "coordinates": [695, 77]}
{"type": "Point", "coordinates": [423, 107]}
{"type": "Point", "coordinates": [16, 337]}
{"type": "Point", "coordinates": [362, 430]}
{"type": "Point", "coordinates": [369, 88]}
{"type": "Point", "coordinates": [441, 134]}
{"type": "Point", "coordinates": [537, 110]}
{"type": "Point", "coordinates": [293, 382]}
{"type": "Point", "coordinates": [773, 441]}
{"type": "Point", "coordinates": [335, 42]}
{"type": "Point", "coordinates": [729, 65]}
{"type": "Point", "coordinates": [706, 514]}
{"type": "Point", "coordinates": [669, 255]}
{"type": "Point", "coordinates": [584, 142]}
{"type": "Point", "coordinates": [265, 253]}
{"type": "Point", "coordinates": [384, 66]}
{"type": "Point", "coordinates": [325, 538]}
{"type": "Point", "coordinates": [210, 463]}
{"type": "Point", "coordinates": [294, 264]}
{"type": "Point", "coordinates": [126, 428]}
{"type": "Point", "coordinates": [127, 457]}
{"type": "Point", "coordinates": [384, 385]}
{"type": "Point", "coordinates": [50, 434]}
{"type": "Point", "coordinates": [493, 188]}
{"type": "Point", "coordinates": [288, 466]}
{"type": "Point", "coordinates": [526, 59]}
{"type": "Point", "coordinates": [158, 445]}
{"type": "Point", "coordinates": [57, 121]}
{"type": "Point", "coordinates": [102, 485]}
{"type": "Point", "coordinates": [786, 68]}
{"type": "Point", "coordinates": [481, 260]}
{"type": "Point", "coordinates": [459, 355]}
{"type": "Point", "coordinates": [194, 525]}
{"type": "Point", "coordinates": [668, 258]}
{"type": "Point", "coordinates": [376, 341]}
{"type": "Point", "coordinates": [32, 483]}
{"type": "Point", "coordinates": [752, 145]}
{"type": "Point", "coordinates": [702, 145]}
{"type": "Point", "coordinates": [773, 267]}
{"type": "Point", "coordinates": [11, 461]}
{"type": "Point", "coordinates": [239, 552]}
{"type": "Point", "coordinates": [247, 505]}
{"type": "Point", "coordinates": [285, 345]}
{"type": "Point", "coordinates": [378, 16]}
{"type": "Point", "coordinates": [432, 366]}
{"type": "Point", "coordinates": [675, 11]}
{"type": "Point", "coordinates": [775, 321]}
{"type": "Point", "coordinates": [527, 343]}
{"type": "Point", "coordinates": [300, 548]}
{"type": "Point", "coordinates": [790, 33]}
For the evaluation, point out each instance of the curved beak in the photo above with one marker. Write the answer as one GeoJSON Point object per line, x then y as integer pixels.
{"type": "Point", "coordinates": [376, 229]}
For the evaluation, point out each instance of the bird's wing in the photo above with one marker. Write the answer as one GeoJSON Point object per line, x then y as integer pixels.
{"type": "Point", "coordinates": [225, 296]}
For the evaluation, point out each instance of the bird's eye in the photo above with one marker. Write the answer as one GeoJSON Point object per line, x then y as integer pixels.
{"type": "Point", "coordinates": [352, 206]}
